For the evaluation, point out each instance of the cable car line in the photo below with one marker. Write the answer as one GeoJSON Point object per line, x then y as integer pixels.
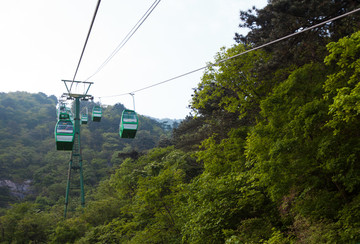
{"type": "Point", "coordinates": [67, 129]}
{"type": "Point", "coordinates": [127, 37]}
{"type": "Point", "coordinates": [87, 38]}
{"type": "Point", "coordinates": [176, 77]}
{"type": "Point", "coordinates": [237, 55]}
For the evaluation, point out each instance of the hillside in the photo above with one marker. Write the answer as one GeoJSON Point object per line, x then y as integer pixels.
{"type": "Point", "coordinates": [31, 166]}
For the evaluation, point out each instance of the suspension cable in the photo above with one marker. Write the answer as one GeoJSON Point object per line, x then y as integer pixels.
{"type": "Point", "coordinates": [237, 55]}
{"type": "Point", "coordinates": [87, 38]}
{"type": "Point", "coordinates": [127, 37]}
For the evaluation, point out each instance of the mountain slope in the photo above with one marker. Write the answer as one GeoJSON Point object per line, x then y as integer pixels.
{"type": "Point", "coordinates": [27, 145]}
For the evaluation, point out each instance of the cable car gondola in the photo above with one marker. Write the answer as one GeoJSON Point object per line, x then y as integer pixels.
{"type": "Point", "coordinates": [84, 119]}
{"type": "Point", "coordinates": [64, 135]}
{"type": "Point", "coordinates": [63, 112]}
{"type": "Point", "coordinates": [128, 124]}
{"type": "Point", "coordinates": [84, 116]}
{"type": "Point", "coordinates": [96, 114]}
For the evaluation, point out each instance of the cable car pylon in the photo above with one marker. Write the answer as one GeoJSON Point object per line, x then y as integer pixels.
{"type": "Point", "coordinates": [75, 171]}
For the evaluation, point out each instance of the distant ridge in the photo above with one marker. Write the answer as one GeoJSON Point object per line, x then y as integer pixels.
{"type": "Point", "coordinates": [167, 123]}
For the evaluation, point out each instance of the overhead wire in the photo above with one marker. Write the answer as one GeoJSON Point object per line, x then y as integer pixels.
{"type": "Point", "coordinates": [127, 37]}
{"type": "Point", "coordinates": [237, 55]}
{"type": "Point", "coordinates": [87, 38]}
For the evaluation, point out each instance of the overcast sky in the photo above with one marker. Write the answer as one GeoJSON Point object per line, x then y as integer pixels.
{"type": "Point", "coordinates": [41, 42]}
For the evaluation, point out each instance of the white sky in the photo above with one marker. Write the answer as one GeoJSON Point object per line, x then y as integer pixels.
{"type": "Point", "coordinates": [41, 42]}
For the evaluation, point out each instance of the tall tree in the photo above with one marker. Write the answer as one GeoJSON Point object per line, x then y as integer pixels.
{"type": "Point", "coordinates": [283, 17]}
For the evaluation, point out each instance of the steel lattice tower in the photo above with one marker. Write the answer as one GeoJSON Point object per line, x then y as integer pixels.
{"type": "Point", "coordinates": [75, 181]}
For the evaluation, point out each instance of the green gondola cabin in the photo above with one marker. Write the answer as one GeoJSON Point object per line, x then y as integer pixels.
{"type": "Point", "coordinates": [84, 119]}
{"type": "Point", "coordinates": [63, 112]}
{"type": "Point", "coordinates": [64, 116]}
{"type": "Point", "coordinates": [96, 114]}
{"type": "Point", "coordinates": [128, 124]}
{"type": "Point", "coordinates": [64, 135]}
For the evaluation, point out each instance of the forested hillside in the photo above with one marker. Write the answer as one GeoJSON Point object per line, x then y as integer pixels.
{"type": "Point", "coordinates": [31, 168]}
{"type": "Point", "coordinates": [270, 155]}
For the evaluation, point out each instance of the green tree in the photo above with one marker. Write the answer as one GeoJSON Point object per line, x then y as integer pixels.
{"type": "Point", "coordinates": [69, 230]}
{"type": "Point", "coordinates": [283, 17]}
{"type": "Point", "coordinates": [225, 199]}
{"type": "Point", "coordinates": [26, 223]}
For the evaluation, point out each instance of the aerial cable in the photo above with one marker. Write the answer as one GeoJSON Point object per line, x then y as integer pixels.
{"type": "Point", "coordinates": [87, 38]}
{"type": "Point", "coordinates": [237, 55]}
{"type": "Point", "coordinates": [288, 36]}
{"type": "Point", "coordinates": [174, 78]}
{"type": "Point", "coordinates": [127, 37]}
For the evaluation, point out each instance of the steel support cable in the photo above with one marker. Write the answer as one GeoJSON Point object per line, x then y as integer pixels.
{"type": "Point", "coordinates": [87, 38]}
{"type": "Point", "coordinates": [237, 55]}
{"type": "Point", "coordinates": [127, 37]}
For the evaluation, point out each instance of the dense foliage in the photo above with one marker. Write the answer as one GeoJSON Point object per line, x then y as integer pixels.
{"type": "Point", "coordinates": [270, 155]}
